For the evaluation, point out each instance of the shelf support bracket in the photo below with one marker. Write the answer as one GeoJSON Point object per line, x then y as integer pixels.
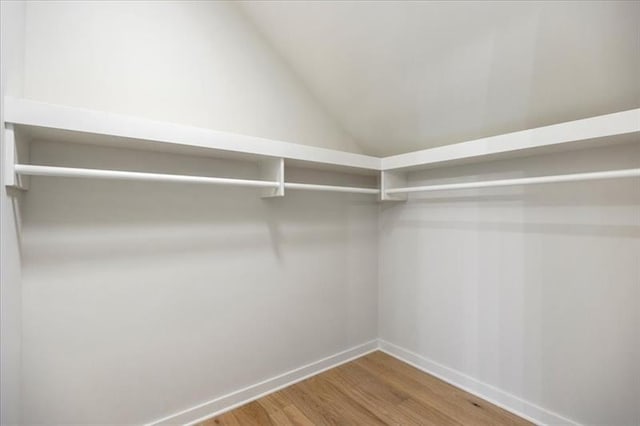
{"type": "Point", "coordinates": [392, 179]}
{"type": "Point", "coordinates": [14, 153]}
{"type": "Point", "coordinates": [272, 169]}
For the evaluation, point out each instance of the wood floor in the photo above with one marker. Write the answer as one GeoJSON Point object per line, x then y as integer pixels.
{"type": "Point", "coordinates": [376, 389]}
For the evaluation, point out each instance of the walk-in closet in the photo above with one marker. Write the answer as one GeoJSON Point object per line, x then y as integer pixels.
{"type": "Point", "coordinates": [310, 212]}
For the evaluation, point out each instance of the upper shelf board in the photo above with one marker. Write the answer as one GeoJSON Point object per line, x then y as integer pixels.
{"type": "Point", "coordinates": [71, 124]}
{"type": "Point", "coordinates": [122, 130]}
{"type": "Point", "coordinates": [618, 127]}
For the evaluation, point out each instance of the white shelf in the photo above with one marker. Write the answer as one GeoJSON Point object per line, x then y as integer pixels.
{"type": "Point", "coordinates": [75, 124]}
{"type": "Point", "coordinates": [55, 122]}
{"type": "Point", "coordinates": [622, 126]}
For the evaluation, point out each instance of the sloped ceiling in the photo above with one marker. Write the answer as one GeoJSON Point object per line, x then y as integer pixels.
{"type": "Point", "coordinates": [404, 76]}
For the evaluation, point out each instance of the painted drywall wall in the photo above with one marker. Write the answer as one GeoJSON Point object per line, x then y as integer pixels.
{"type": "Point", "coordinates": [188, 62]}
{"type": "Point", "coordinates": [534, 290]}
{"type": "Point", "coordinates": [143, 299]}
{"type": "Point", "coordinates": [130, 289]}
{"type": "Point", "coordinates": [11, 71]}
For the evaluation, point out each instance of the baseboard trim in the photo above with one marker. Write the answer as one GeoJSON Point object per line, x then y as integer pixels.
{"type": "Point", "coordinates": [512, 403]}
{"type": "Point", "coordinates": [224, 403]}
{"type": "Point", "coordinates": [243, 396]}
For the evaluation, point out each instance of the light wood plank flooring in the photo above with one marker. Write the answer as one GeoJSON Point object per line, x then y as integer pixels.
{"type": "Point", "coordinates": [376, 389]}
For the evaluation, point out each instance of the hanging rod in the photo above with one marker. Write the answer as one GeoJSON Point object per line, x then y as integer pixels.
{"type": "Point", "coordinates": [27, 169]}
{"type": "Point", "coordinates": [331, 188]}
{"type": "Point", "coordinates": [34, 170]}
{"type": "Point", "coordinates": [613, 174]}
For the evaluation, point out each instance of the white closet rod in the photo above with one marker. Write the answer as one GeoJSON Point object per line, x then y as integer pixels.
{"type": "Point", "coordinates": [34, 170]}
{"type": "Point", "coordinates": [27, 169]}
{"type": "Point", "coordinates": [613, 174]}
{"type": "Point", "coordinates": [332, 188]}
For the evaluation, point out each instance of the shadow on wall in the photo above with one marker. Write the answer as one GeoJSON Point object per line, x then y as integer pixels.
{"type": "Point", "coordinates": [615, 231]}
{"type": "Point", "coordinates": [92, 218]}
{"type": "Point", "coordinates": [17, 206]}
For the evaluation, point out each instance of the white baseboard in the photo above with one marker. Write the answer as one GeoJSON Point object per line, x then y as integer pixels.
{"type": "Point", "coordinates": [240, 397]}
{"type": "Point", "coordinates": [228, 402]}
{"type": "Point", "coordinates": [517, 406]}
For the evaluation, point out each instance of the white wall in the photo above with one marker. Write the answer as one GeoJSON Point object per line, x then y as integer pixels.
{"type": "Point", "coordinates": [11, 71]}
{"type": "Point", "coordinates": [534, 290]}
{"type": "Point", "coordinates": [196, 63]}
{"type": "Point", "coordinates": [144, 299]}
{"type": "Point", "coordinates": [140, 300]}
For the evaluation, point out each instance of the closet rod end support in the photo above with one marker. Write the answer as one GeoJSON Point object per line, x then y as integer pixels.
{"type": "Point", "coordinates": [272, 169]}
{"type": "Point", "coordinates": [15, 152]}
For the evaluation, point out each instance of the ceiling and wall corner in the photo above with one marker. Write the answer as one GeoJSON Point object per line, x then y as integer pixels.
{"type": "Point", "coordinates": [404, 76]}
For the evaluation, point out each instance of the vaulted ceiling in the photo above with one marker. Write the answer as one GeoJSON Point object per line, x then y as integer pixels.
{"type": "Point", "coordinates": [403, 76]}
